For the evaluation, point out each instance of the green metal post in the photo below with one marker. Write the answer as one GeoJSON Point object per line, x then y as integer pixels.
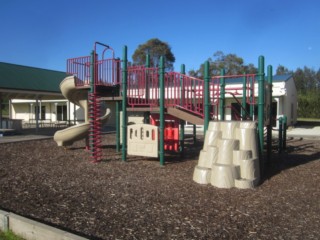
{"type": "Point", "coordinates": [269, 126]}
{"type": "Point", "coordinates": [280, 135]}
{"type": "Point", "coordinates": [261, 110]}
{"type": "Point", "coordinates": [118, 126]}
{"type": "Point", "coordinates": [206, 96]}
{"type": "Point", "coordinates": [161, 87]}
{"type": "Point", "coordinates": [244, 97]}
{"type": "Point", "coordinates": [147, 60]}
{"type": "Point", "coordinates": [182, 122]}
{"type": "Point", "coordinates": [194, 130]}
{"type": "Point", "coordinates": [222, 94]}
{"type": "Point", "coordinates": [124, 103]}
{"type": "Point", "coordinates": [284, 145]}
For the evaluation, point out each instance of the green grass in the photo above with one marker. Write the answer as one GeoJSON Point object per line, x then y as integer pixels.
{"type": "Point", "coordinates": [9, 235]}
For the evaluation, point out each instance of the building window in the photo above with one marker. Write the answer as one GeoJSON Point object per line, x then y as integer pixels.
{"type": "Point", "coordinates": [62, 113]}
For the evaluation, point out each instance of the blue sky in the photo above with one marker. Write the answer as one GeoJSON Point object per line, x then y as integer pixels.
{"type": "Point", "coordinates": [44, 33]}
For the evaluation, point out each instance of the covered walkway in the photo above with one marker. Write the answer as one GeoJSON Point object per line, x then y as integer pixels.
{"type": "Point", "coordinates": [23, 82]}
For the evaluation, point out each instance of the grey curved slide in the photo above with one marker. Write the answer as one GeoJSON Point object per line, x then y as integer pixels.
{"type": "Point", "coordinates": [68, 136]}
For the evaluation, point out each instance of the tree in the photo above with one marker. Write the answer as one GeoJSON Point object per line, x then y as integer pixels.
{"type": "Point", "coordinates": [232, 64]}
{"type": "Point", "coordinates": [298, 77]}
{"type": "Point", "coordinates": [306, 79]}
{"type": "Point", "coordinates": [281, 70]}
{"type": "Point", "coordinates": [156, 48]}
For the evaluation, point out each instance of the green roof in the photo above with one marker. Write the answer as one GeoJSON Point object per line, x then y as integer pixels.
{"type": "Point", "coordinates": [18, 77]}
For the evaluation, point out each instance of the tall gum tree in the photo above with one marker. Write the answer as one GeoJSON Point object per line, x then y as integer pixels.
{"type": "Point", "coordinates": [155, 48]}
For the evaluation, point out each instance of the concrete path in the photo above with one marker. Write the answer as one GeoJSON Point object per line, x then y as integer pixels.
{"type": "Point", "coordinates": [306, 132]}
{"type": "Point", "coordinates": [27, 135]}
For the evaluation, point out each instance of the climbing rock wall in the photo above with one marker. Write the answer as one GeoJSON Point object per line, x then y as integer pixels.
{"type": "Point", "coordinates": [229, 157]}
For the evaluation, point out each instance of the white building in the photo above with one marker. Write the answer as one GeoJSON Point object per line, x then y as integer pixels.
{"type": "Point", "coordinates": [284, 98]}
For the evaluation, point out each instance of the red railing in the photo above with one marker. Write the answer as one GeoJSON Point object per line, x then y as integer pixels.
{"type": "Point", "coordinates": [79, 67]}
{"type": "Point", "coordinates": [143, 86]}
{"type": "Point", "coordinates": [250, 88]}
{"type": "Point", "coordinates": [107, 71]}
{"type": "Point", "coordinates": [236, 91]}
{"type": "Point", "coordinates": [214, 86]}
{"type": "Point", "coordinates": [95, 127]}
{"type": "Point", "coordinates": [181, 91]}
{"type": "Point", "coordinates": [184, 92]}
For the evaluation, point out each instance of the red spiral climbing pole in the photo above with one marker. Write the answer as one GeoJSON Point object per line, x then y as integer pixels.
{"type": "Point", "coordinates": [95, 128]}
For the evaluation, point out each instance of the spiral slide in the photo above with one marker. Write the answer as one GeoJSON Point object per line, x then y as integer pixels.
{"type": "Point", "coordinates": [68, 136]}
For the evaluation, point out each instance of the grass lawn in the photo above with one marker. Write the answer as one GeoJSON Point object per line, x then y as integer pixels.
{"type": "Point", "coordinates": [9, 236]}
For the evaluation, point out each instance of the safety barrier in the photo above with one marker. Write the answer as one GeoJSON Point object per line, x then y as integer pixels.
{"type": "Point", "coordinates": [143, 86]}
{"type": "Point", "coordinates": [182, 91]}
{"type": "Point", "coordinates": [79, 67]}
{"type": "Point", "coordinates": [143, 140]}
{"type": "Point", "coordinates": [107, 71]}
{"type": "Point", "coordinates": [185, 92]}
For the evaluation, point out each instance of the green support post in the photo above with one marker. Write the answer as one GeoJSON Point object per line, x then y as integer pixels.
{"type": "Point", "coordinates": [147, 60]}
{"type": "Point", "coordinates": [182, 122]}
{"type": "Point", "coordinates": [280, 135]}
{"type": "Point", "coordinates": [194, 129]}
{"type": "Point", "coordinates": [269, 126]}
{"type": "Point", "coordinates": [261, 110]}
{"type": "Point", "coordinates": [222, 95]}
{"type": "Point", "coordinates": [284, 144]}
{"type": "Point", "coordinates": [118, 126]}
{"type": "Point", "coordinates": [206, 96]}
{"type": "Point", "coordinates": [244, 97]}
{"type": "Point", "coordinates": [124, 103]}
{"type": "Point", "coordinates": [161, 87]}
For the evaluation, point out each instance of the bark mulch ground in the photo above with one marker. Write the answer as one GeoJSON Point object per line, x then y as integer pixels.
{"type": "Point", "coordinates": [139, 199]}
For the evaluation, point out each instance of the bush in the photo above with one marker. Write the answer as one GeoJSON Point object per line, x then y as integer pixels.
{"type": "Point", "coordinates": [309, 105]}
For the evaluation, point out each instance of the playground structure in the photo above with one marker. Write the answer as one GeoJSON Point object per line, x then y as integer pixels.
{"type": "Point", "coordinates": [168, 100]}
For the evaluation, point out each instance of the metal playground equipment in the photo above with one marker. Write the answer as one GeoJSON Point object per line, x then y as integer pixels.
{"type": "Point", "coordinates": [173, 97]}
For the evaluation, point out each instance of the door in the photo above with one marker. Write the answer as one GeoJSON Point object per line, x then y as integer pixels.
{"type": "Point", "coordinates": [62, 113]}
